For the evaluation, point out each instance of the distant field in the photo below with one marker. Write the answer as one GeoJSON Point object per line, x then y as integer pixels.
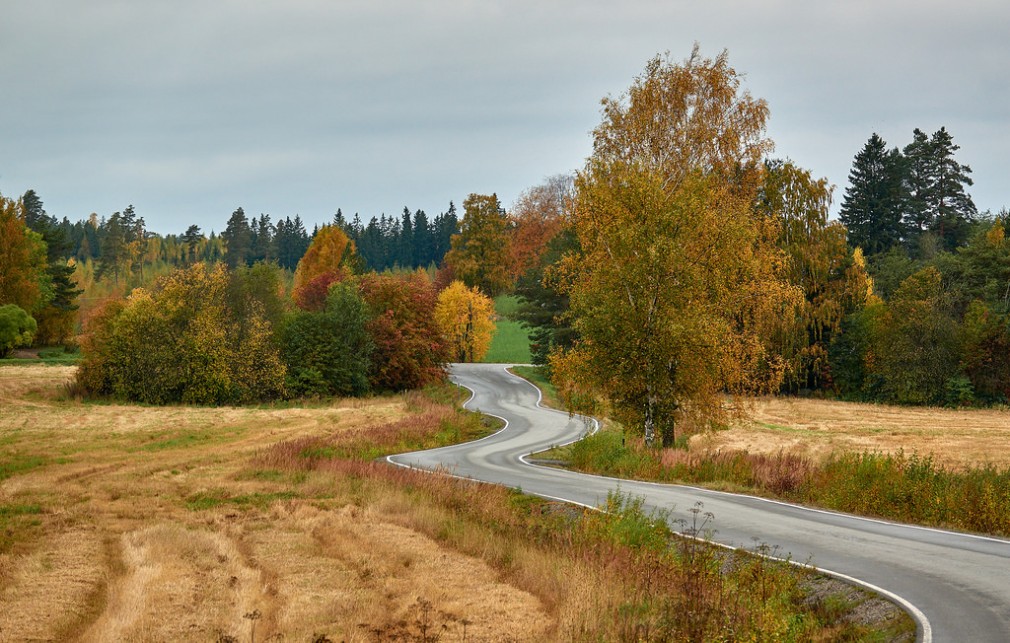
{"type": "Point", "coordinates": [511, 342]}
{"type": "Point", "coordinates": [815, 428]}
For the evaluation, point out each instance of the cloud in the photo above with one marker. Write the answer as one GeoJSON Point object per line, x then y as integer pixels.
{"type": "Point", "coordinates": [190, 108]}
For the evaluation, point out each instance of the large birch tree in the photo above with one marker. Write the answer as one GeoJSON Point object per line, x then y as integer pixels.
{"type": "Point", "coordinates": [679, 273]}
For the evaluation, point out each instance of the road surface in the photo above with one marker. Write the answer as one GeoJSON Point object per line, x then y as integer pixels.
{"type": "Point", "coordinates": [956, 585]}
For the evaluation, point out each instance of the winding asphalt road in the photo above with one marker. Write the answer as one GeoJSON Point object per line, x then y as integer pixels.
{"type": "Point", "coordinates": [956, 585]}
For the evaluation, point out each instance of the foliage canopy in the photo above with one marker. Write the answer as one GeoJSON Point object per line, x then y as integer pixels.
{"type": "Point", "coordinates": [679, 275]}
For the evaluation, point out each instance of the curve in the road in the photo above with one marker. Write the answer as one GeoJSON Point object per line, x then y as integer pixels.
{"type": "Point", "coordinates": [956, 585]}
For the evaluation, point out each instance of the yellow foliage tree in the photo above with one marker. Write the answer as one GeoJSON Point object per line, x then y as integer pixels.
{"type": "Point", "coordinates": [466, 318]}
{"type": "Point", "coordinates": [679, 275]}
{"type": "Point", "coordinates": [832, 278]}
{"type": "Point", "coordinates": [180, 341]}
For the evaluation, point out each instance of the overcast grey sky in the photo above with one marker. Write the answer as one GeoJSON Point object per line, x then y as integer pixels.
{"type": "Point", "coordinates": [190, 108]}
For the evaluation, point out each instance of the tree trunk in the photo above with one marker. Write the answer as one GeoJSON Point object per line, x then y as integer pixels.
{"type": "Point", "coordinates": [650, 419]}
{"type": "Point", "coordinates": [669, 433]}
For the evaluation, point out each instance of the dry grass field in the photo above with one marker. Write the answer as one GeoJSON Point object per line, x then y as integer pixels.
{"type": "Point", "coordinates": [134, 523]}
{"type": "Point", "coordinates": [122, 523]}
{"type": "Point", "coordinates": [816, 428]}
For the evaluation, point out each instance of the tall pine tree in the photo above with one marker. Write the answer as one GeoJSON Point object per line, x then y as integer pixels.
{"type": "Point", "coordinates": [56, 319]}
{"type": "Point", "coordinates": [938, 203]}
{"type": "Point", "coordinates": [953, 209]}
{"type": "Point", "coordinates": [237, 237]}
{"type": "Point", "coordinates": [874, 203]}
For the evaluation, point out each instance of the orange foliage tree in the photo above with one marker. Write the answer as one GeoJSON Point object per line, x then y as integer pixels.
{"type": "Point", "coordinates": [466, 319]}
{"type": "Point", "coordinates": [330, 258]}
{"type": "Point", "coordinates": [23, 277]}
{"type": "Point", "coordinates": [537, 216]}
{"type": "Point", "coordinates": [409, 351]}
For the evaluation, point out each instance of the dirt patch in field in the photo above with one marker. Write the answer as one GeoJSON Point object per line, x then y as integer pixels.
{"type": "Point", "coordinates": [956, 438]}
{"type": "Point", "coordinates": [139, 523]}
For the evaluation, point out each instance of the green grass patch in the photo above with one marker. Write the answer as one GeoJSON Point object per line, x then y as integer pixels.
{"type": "Point", "coordinates": [319, 453]}
{"type": "Point", "coordinates": [7, 511]}
{"type": "Point", "coordinates": [50, 356]}
{"type": "Point", "coordinates": [211, 499]}
{"type": "Point", "coordinates": [511, 341]}
{"type": "Point", "coordinates": [788, 429]}
{"type": "Point", "coordinates": [506, 305]}
{"type": "Point", "coordinates": [510, 344]}
{"type": "Point", "coordinates": [18, 523]}
{"type": "Point", "coordinates": [537, 376]}
{"type": "Point", "coordinates": [179, 441]}
{"type": "Point", "coordinates": [12, 464]}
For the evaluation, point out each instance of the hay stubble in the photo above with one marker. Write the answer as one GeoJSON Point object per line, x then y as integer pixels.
{"type": "Point", "coordinates": [121, 554]}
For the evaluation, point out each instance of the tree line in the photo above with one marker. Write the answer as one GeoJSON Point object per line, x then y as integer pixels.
{"type": "Point", "coordinates": [219, 334]}
{"type": "Point", "coordinates": [406, 242]}
{"type": "Point", "coordinates": [102, 257]}
{"type": "Point", "coordinates": [122, 246]}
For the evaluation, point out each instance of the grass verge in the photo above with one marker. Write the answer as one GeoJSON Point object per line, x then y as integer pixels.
{"type": "Point", "coordinates": [893, 486]}
{"type": "Point", "coordinates": [643, 582]}
{"type": "Point", "coordinates": [535, 375]}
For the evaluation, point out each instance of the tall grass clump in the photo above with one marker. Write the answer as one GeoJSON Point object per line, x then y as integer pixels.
{"type": "Point", "coordinates": [914, 489]}
{"type": "Point", "coordinates": [431, 424]}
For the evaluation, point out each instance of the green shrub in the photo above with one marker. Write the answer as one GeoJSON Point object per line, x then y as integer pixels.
{"type": "Point", "coordinates": [17, 328]}
{"type": "Point", "coordinates": [182, 342]}
{"type": "Point", "coordinates": [327, 352]}
{"type": "Point", "coordinates": [958, 391]}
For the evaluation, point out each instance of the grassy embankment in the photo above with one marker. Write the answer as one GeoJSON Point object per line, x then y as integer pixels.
{"type": "Point", "coordinates": [178, 523]}
{"type": "Point", "coordinates": [938, 467]}
{"type": "Point", "coordinates": [511, 342]}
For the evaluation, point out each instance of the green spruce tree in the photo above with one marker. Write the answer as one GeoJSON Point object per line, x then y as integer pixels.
{"type": "Point", "coordinates": [874, 203]}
